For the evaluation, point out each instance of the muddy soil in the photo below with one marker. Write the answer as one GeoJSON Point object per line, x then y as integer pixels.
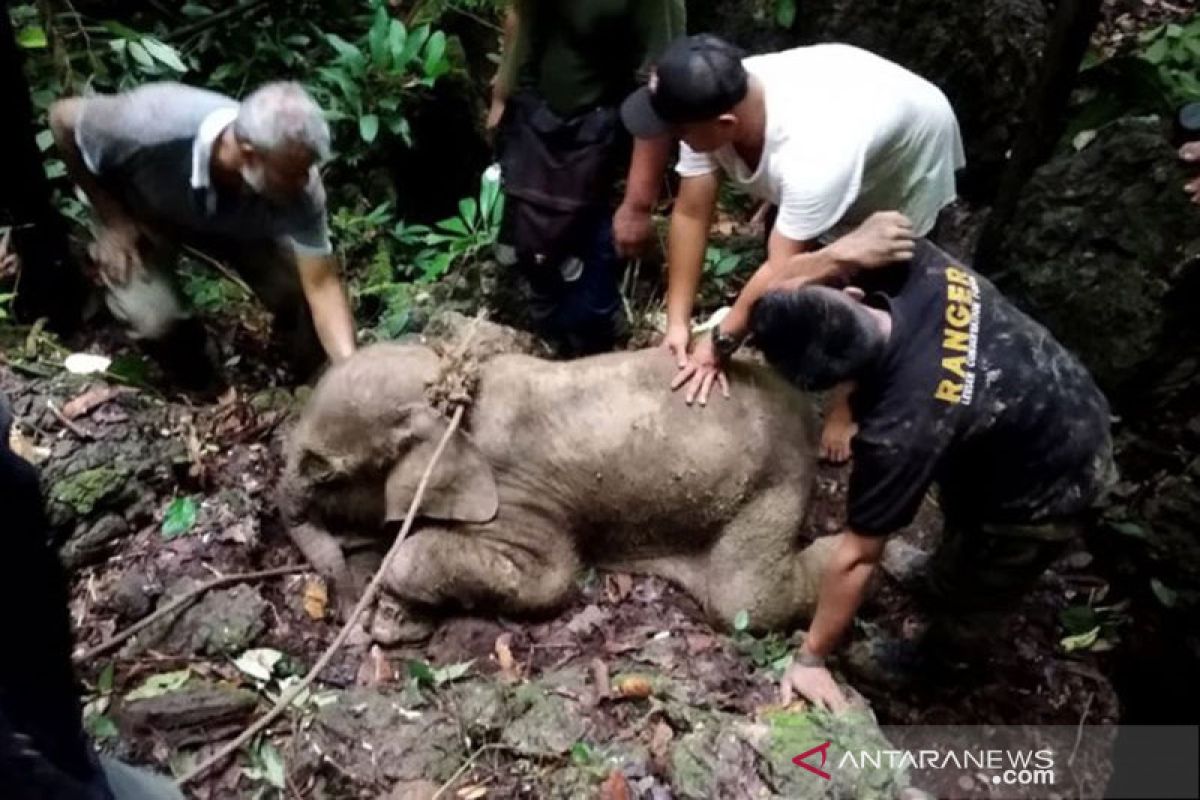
{"type": "Point", "coordinates": [628, 692]}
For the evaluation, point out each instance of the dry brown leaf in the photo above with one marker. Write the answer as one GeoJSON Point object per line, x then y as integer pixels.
{"type": "Point", "coordinates": [375, 669]}
{"type": "Point", "coordinates": [660, 744]}
{"type": "Point", "coordinates": [92, 398]}
{"type": "Point", "coordinates": [600, 679]}
{"type": "Point", "coordinates": [316, 598]}
{"type": "Point", "coordinates": [510, 670]}
{"type": "Point", "coordinates": [615, 787]}
{"type": "Point", "coordinates": [472, 792]}
{"type": "Point", "coordinates": [634, 687]}
{"type": "Point", "coordinates": [698, 643]}
{"type": "Point", "coordinates": [586, 620]}
{"type": "Point", "coordinates": [25, 448]}
{"type": "Point", "coordinates": [618, 587]}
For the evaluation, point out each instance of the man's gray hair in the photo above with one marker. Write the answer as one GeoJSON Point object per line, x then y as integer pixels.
{"type": "Point", "coordinates": [282, 113]}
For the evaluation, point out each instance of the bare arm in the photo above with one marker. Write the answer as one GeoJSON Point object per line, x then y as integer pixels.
{"type": "Point", "coordinates": [842, 590]}
{"type": "Point", "coordinates": [64, 119]}
{"type": "Point", "coordinates": [512, 53]}
{"type": "Point", "coordinates": [687, 241]}
{"type": "Point", "coordinates": [843, 587]}
{"type": "Point", "coordinates": [326, 296]}
{"type": "Point", "coordinates": [884, 238]}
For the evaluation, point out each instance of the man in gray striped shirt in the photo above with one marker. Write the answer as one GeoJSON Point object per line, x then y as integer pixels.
{"type": "Point", "coordinates": [166, 165]}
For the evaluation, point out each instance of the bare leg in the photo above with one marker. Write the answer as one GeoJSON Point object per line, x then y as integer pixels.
{"type": "Point", "coordinates": [840, 426]}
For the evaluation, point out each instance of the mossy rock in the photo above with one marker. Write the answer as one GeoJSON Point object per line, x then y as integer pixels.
{"type": "Point", "coordinates": [85, 492]}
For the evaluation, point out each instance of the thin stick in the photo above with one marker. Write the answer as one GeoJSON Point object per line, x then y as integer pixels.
{"type": "Point", "coordinates": [180, 602]}
{"type": "Point", "coordinates": [225, 271]}
{"type": "Point", "coordinates": [364, 602]}
{"type": "Point", "coordinates": [66, 423]}
{"type": "Point", "coordinates": [467, 765]}
{"type": "Point", "coordinates": [1087, 706]}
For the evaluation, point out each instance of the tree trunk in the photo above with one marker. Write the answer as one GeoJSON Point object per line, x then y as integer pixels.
{"type": "Point", "coordinates": [1070, 33]}
{"type": "Point", "coordinates": [50, 284]}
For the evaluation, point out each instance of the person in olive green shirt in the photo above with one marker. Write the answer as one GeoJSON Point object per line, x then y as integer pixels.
{"type": "Point", "coordinates": [575, 58]}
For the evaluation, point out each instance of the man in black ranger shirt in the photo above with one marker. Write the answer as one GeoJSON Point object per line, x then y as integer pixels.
{"type": "Point", "coordinates": [955, 387]}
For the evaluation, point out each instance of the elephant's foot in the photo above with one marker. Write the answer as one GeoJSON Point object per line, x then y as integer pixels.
{"type": "Point", "coordinates": [396, 623]}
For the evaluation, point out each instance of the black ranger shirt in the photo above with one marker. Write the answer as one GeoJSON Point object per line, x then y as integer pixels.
{"type": "Point", "coordinates": [974, 396]}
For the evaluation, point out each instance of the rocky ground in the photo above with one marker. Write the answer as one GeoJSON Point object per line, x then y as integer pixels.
{"type": "Point", "coordinates": [626, 693]}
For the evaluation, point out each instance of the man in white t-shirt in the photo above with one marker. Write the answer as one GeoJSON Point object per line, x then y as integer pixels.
{"type": "Point", "coordinates": [829, 134]}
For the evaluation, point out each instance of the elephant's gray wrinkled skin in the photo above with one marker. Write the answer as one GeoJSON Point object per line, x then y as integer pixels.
{"type": "Point", "coordinates": [558, 465]}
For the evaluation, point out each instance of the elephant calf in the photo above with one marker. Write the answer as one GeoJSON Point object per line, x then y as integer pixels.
{"type": "Point", "coordinates": [558, 465]}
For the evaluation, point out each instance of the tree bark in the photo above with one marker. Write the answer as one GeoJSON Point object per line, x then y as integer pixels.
{"type": "Point", "coordinates": [1045, 119]}
{"type": "Point", "coordinates": [50, 284]}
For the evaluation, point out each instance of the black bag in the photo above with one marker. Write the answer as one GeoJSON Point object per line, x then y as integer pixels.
{"type": "Point", "coordinates": [553, 171]}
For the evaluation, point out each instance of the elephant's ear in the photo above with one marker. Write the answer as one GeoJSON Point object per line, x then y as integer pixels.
{"type": "Point", "coordinates": [462, 487]}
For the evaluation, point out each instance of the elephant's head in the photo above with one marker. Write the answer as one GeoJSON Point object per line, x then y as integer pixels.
{"type": "Point", "coordinates": [366, 437]}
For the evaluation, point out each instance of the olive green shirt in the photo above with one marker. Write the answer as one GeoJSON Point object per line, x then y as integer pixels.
{"type": "Point", "coordinates": [578, 54]}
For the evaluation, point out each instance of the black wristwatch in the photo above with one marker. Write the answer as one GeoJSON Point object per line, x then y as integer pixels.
{"type": "Point", "coordinates": [724, 344]}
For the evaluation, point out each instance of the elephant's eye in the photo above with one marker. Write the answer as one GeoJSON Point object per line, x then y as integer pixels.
{"type": "Point", "coordinates": [315, 467]}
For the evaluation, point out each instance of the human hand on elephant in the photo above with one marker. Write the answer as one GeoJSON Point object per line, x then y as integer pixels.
{"type": "Point", "coordinates": [702, 370]}
{"type": "Point", "coordinates": [813, 683]}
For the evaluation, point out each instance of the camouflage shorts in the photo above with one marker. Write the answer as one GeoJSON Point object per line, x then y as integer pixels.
{"type": "Point", "coordinates": [982, 567]}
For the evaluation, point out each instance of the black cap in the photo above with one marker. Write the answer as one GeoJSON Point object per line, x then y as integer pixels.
{"type": "Point", "coordinates": [697, 78]}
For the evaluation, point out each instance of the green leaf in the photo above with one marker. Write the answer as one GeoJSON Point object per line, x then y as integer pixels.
{"type": "Point", "coordinates": [1156, 52]}
{"type": "Point", "coordinates": [100, 727]}
{"type": "Point", "coordinates": [1130, 529]}
{"type": "Point", "coordinates": [104, 684]}
{"type": "Point", "coordinates": [377, 39]}
{"type": "Point", "coordinates": [341, 80]}
{"type": "Point", "coordinates": [435, 50]}
{"type": "Point", "coordinates": [397, 35]}
{"type": "Point", "coordinates": [741, 621]}
{"type": "Point", "coordinates": [45, 140]}
{"type": "Point", "coordinates": [368, 127]}
{"type": "Point", "coordinates": [164, 53]}
{"type": "Point", "coordinates": [348, 52]}
{"type": "Point", "coordinates": [468, 209]}
{"type": "Point", "coordinates": [32, 38]}
{"type": "Point", "coordinates": [121, 31]}
{"type": "Point", "coordinates": [1081, 641]}
{"type": "Point", "coordinates": [412, 46]}
{"type": "Point", "coordinates": [785, 13]}
{"type": "Point", "coordinates": [272, 764]}
{"type": "Point", "coordinates": [179, 518]}
{"type": "Point", "coordinates": [141, 55]}
{"type": "Point", "coordinates": [1165, 594]}
{"type": "Point", "coordinates": [421, 672]}
{"type": "Point", "coordinates": [581, 754]}
{"type": "Point", "coordinates": [451, 673]}
{"type": "Point", "coordinates": [195, 10]}
{"type": "Point", "coordinates": [454, 225]}
{"type": "Point", "coordinates": [1078, 619]}
{"type": "Point", "coordinates": [158, 685]}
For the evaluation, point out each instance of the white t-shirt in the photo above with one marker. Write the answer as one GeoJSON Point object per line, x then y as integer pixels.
{"type": "Point", "coordinates": [848, 134]}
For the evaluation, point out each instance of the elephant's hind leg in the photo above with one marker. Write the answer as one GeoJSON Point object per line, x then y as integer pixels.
{"type": "Point", "coordinates": [473, 569]}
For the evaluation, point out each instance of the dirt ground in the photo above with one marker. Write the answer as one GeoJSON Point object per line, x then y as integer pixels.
{"type": "Point", "coordinates": [628, 692]}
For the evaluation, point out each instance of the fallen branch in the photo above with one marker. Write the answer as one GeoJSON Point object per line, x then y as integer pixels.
{"type": "Point", "coordinates": [68, 424]}
{"type": "Point", "coordinates": [184, 600]}
{"type": "Point", "coordinates": [364, 602]}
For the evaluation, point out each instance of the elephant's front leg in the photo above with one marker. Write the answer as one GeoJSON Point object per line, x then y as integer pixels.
{"type": "Point", "coordinates": [324, 552]}
{"type": "Point", "coordinates": [480, 567]}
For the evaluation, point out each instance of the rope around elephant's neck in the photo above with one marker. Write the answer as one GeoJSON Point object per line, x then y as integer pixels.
{"type": "Point", "coordinates": [364, 602]}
